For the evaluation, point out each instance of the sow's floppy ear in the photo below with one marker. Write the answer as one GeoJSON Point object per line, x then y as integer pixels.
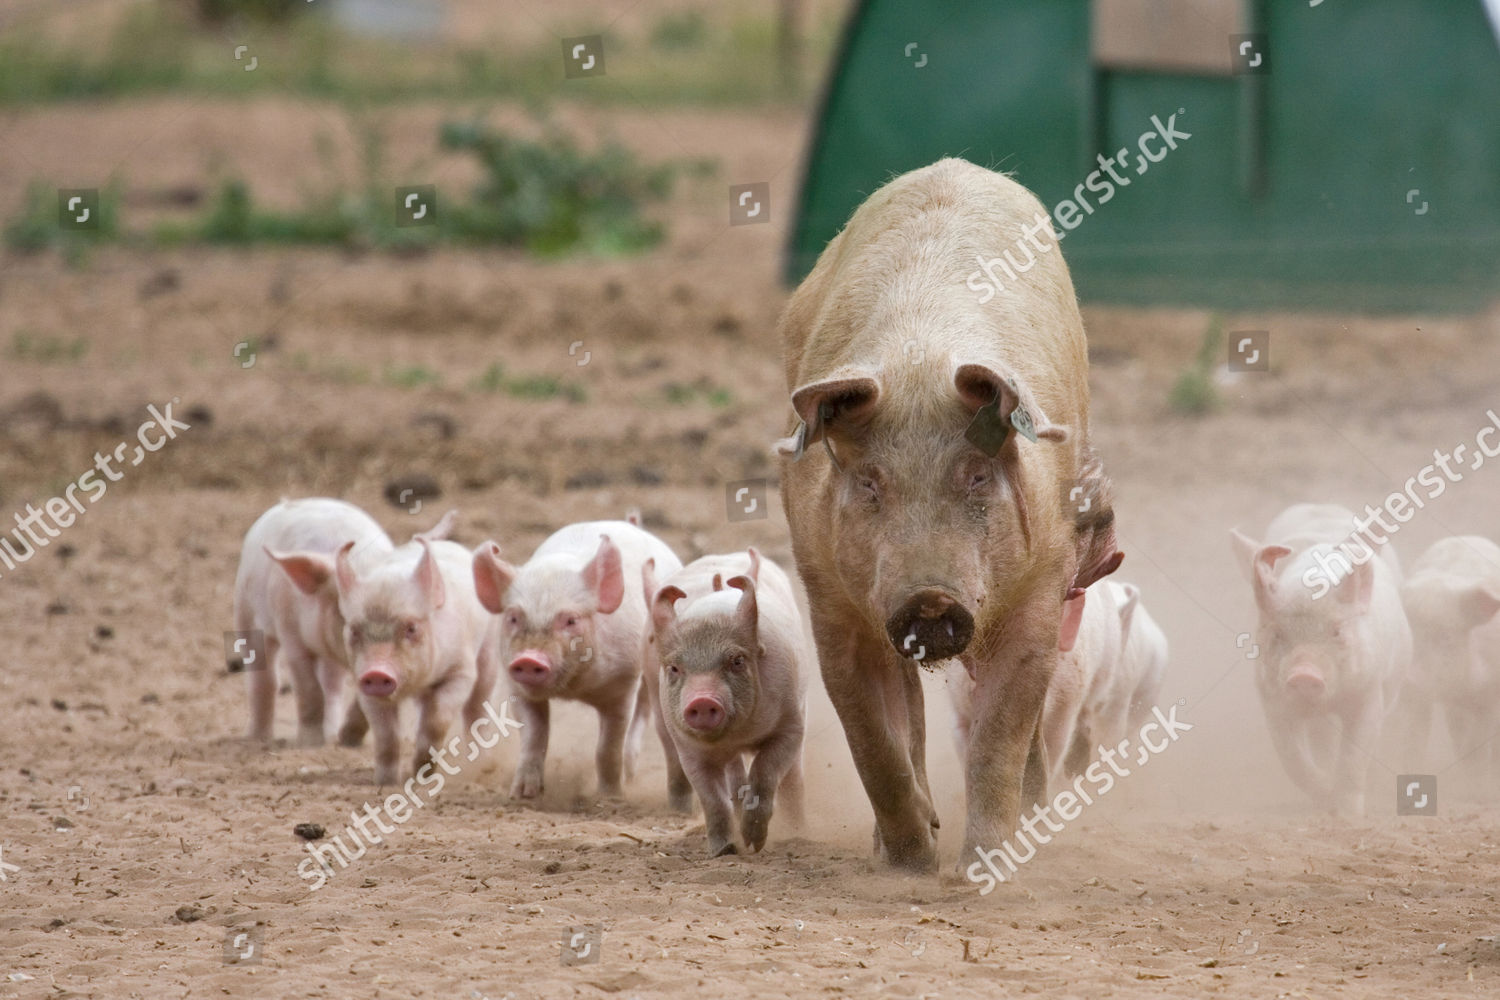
{"type": "Point", "coordinates": [982, 385]}
{"type": "Point", "coordinates": [843, 403]}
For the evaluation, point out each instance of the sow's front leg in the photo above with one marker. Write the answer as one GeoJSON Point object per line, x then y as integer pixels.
{"type": "Point", "coordinates": [865, 682]}
{"type": "Point", "coordinates": [1006, 766]}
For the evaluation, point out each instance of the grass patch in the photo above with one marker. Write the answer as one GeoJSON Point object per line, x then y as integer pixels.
{"type": "Point", "coordinates": [26, 346]}
{"type": "Point", "coordinates": [410, 376]}
{"type": "Point", "coordinates": [38, 226]}
{"type": "Point", "coordinates": [724, 58]}
{"type": "Point", "coordinates": [534, 387]}
{"type": "Point", "coordinates": [1194, 393]}
{"type": "Point", "coordinates": [701, 391]}
{"type": "Point", "coordinates": [550, 196]}
{"type": "Point", "coordinates": [546, 195]}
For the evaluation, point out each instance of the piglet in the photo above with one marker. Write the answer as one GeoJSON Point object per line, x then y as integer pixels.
{"type": "Point", "coordinates": [734, 664]}
{"type": "Point", "coordinates": [1452, 599]}
{"type": "Point", "coordinates": [1122, 697]}
{"type": "Point", "coordinates": [1335, 647]}
{"type": "Point", "coordinates": [414, 628]}
{"type": "Point", "coordinates": [697, 579]}
{"type": "Point", "coordinates": [285, 590]}
{"type": "Point", "coordinates": [1089, 647]}
{"type": "Point", "coordinates": [570, 628]}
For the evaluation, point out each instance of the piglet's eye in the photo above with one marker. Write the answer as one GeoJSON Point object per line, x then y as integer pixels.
{"type": "Point", "coordinates": [413, 630]}
{"type": "Point", "coordinates": [737, 662]}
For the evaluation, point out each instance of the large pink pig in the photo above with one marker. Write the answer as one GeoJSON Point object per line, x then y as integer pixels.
{"type": "Point", "coordinates": [732, 682]}
{"type": "Point", "coordinates": [571, 628]}
{"type": "Point", "coordinates": [1335, 647]}
{"type": "Point", "coordinates": [1452, 599]}
{"type": "Point", "coordinates": [415, 629]}
{"type": "Point", "coordinates": [941, 491]}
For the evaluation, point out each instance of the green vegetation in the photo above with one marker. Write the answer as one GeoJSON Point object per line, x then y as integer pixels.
{"type": "Point", "coordinates": [185, 46]}
{"type": "Point", "coordinates": [681, 394]}
{"type": "Point", "coordinates": [1194, 393]}
{"type": "Point", "coordinates": [410, 376]}
{"type": "Point", "coordinates": [38, 227]}
{"type": "Point", "coordinates": [545, 195]}
{"type": "Point", "coordinates": [26, 346]}
{"type": "Point", "coordinates": [494, 380]}
{"type": "Point", "coordinates": [549, 196]}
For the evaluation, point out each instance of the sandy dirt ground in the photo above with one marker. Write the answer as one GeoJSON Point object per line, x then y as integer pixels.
{"type": "Point", "coordinates": [147, 844]}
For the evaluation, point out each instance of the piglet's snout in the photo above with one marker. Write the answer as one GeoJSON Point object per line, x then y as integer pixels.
{"type": "Point", "coordinates": [532, 667]}
{"type": "Point", "coordinates": [378, 682]}
{"type": "Point", "coordinates": [704, 713]}
{"type": "Point", "coordinates": [1306, 680]}
{"type": "Point", "coordinates": [931, 625]}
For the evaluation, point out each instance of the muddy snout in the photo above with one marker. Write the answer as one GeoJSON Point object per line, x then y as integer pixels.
{"type": "Point", "coordinates": [930, 626]}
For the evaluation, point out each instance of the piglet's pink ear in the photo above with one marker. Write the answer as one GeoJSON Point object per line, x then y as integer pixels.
{"type": "Point", "coordinates": [1263, 574]}
{"type": "Point", "coordinates": [605, 576]}
{"type": "Point", "coordinates": [648, 581]}
{"type": "Point", "coordinates": [747, 612]}
{"type": "Point", "coordinates": [492, 577]}
{"type": "Point", "coordinates": [308, 571]}
{"type": "Point", "coordinates": [429, 577]}
{"type": "Point", "coordinates": [1072, 617]}
{"type": "Point", "coordinates": [663, 611]}
{"type": "Point", "coordinates": [1479, 604]}
{"type": "Point", "coordinates": [344, 569]}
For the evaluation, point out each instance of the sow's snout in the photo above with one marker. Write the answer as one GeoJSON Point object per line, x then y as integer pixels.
{"type": "Point", "coordinates": [930, 626]}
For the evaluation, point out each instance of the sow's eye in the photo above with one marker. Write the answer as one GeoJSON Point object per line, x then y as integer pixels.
{"type": "Point", "coordinates": [737, 663]}
{"type": "Point", "coordinates": [411, 631]}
